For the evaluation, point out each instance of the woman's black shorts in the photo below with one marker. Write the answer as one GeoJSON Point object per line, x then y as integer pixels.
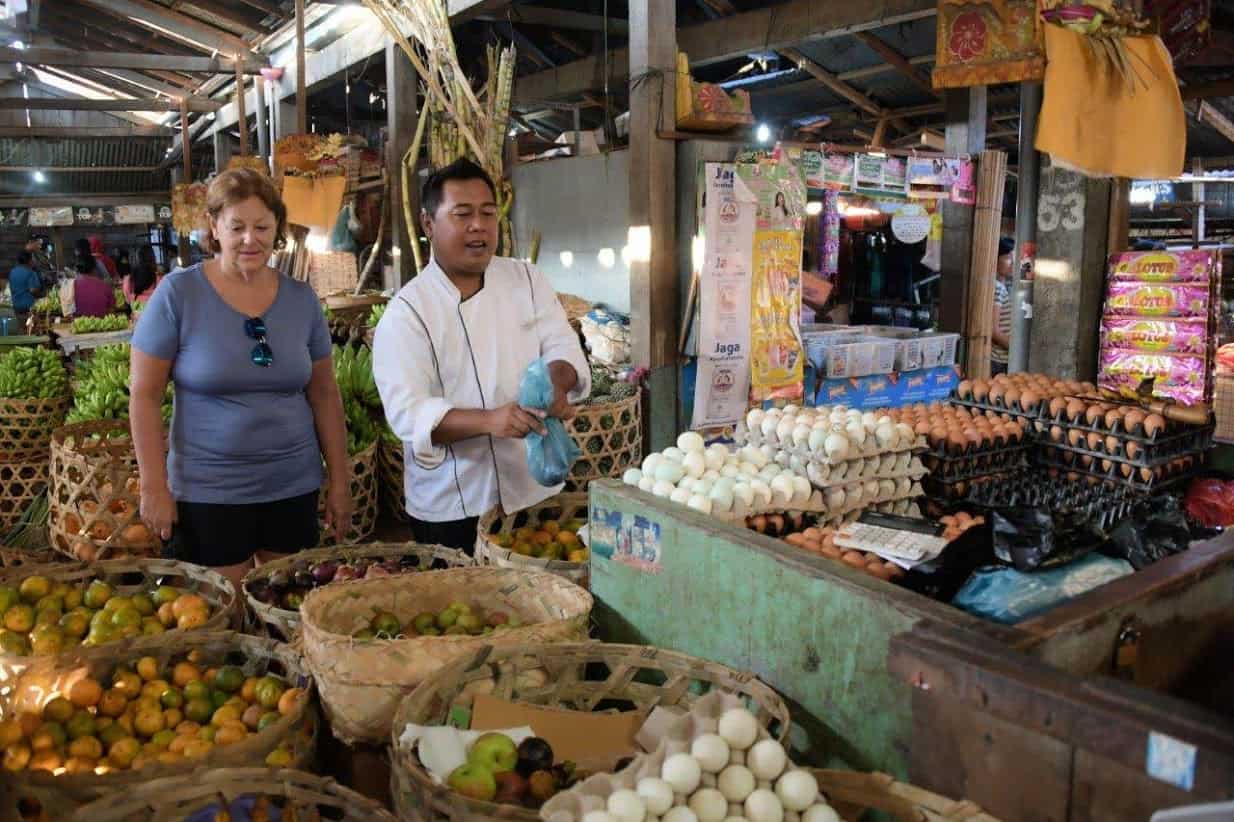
{"type": "Point", "coordinates": [211, 534]}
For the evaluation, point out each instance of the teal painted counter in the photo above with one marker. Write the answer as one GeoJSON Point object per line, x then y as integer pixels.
{"type": "Point", "coordinates": [815, 630]}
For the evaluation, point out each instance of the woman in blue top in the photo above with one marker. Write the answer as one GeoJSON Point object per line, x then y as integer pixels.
{"type": "Point", "coordinates": [24, 285]}
{"type": "Point", "coordinates": [256, 403]}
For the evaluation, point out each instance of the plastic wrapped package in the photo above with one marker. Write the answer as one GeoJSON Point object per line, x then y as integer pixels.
{"type": "Point", "coordinates": [1155, 336]}
{"type": "Point", "coordinates": [1132, 299]}
{"type": "Point", "coordinates": [1009, 596]}
{"type": "Point", "coordinates": [1178, 377]}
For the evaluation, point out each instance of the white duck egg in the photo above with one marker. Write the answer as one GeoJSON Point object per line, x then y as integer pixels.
{"type": "Point", "coordinates": [801, 489]}
{"type": "Point", "coordinates": [817, 473]}
{"type": "Point", "coordinates": [764, 806]}
{"type": "Point", "coordinates": [736, 783]}
{"type": "Point", "coordinates": [774, 413]}
{"type": "Point", "coordinates": [602, 816]}
{"type": "Point", "coordinates": [816, 439]}
{"type": "Point", "coordinates": [632, 476]}
{"type": "Point", "coordinates": [673, 454]}
{"type": "Point", "coordinates": [681, 496]}
{"type": "Point", "coordinates": [797, 464]}
{"type": "Point", "coordinates": [700, 503]}
{"type": "Point", "coordinates": [801, 435]}
{"type": "Point", "coordinates": [670, 472]}
{"type": "Point", "coordinates": [783, 458]}
{"type": "Point", "coordinates": [792, 409]}
{"type": "Point", "coordinates": [647, 484]}
{"type": "Point", "coordinates": [855, 433]}
{"type": "Point", "coordinates": [738, 728]}
{"type": "Point", "coordinates": [682, 773]}
{"type": "Point", "coordinates": [744, 493]}
{"type": "Point", "coordinates": [656, 794]}
{"type": "Point", "coordinates": [797, 789]}
{"type": "Point", "coordinates": [768, 427]}
{"type": "Point", "coordinates": [836, 446]}
{"type": "Point", "coordinates": [650, 463]}
{"type": "Point", "coordinates": [754, 419]}
{"type": "Point", "coordinates": [721, 498]}
{"type": "Point", "coordinates": [709, 805]}
{"type": "Point", "coordinates": [711, 751]}
{"type": "Point", "coordinates": [904, 487]}
{"type": "Point", "coordinates": [869, 420]}
{"type": "Point", "coordinates": [767, 760]}
{"type": "Point", "coordinates": [748, 468]}
{"type": "Point", "coordinates": [691, 441]}
{"type": "Point", "coordinates": [885, 436]}
{"type": "Point", "coordinates": [784, 429]}
{"type": "Point", "coordinates": [729, 470]}
{"type": "Point", "coordinates": [756, 456]}
{"type": "Point", "coordinates": [906, 433]}
{"type": "Point", "coordinates": [886, 489]}
{"type": "Point", "coordinates": [781, 491]}
{"type": "Point", "coordinates": [714, 459]}
{"type": "Point", "coordinates": [663, 489]}
{"type": "Point", "coordinates": [762, 493]}
{"type": "Point", "coordinates": [711, 475]}
{"type": "Point", "coordinates": [694, 464]}
{"type": "Point", "coordinates": [836, 500]}
{"type": "Point", "coordinates": [822, 812]}
{"type": "Point", "coordinates": [627, 806]}
{"type": "Point", "coordinates": [679, 814]}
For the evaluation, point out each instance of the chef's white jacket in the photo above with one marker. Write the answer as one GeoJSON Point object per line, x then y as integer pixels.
{"type": "Point", "coordinates": [434, 352]}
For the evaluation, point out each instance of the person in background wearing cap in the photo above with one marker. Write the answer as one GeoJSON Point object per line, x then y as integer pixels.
{"type": "Point", "coordinates": [1000, 338]}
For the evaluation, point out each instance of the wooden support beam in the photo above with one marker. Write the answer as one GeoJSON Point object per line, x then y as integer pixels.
{"type": "Point", "coordinates": [772, 28]}
{"type": "Point", "coordinates": [222, 12]}
{"type": "Point", "coordinates": [561, 19]}
{"type": "Point", "coordinates": [1208, 114]}
{"type": "Point", "coordinates": [567, 44]}
{"type": "Point", "coordinates": [301, 93]}
{"type": "Point", "coordinates": [196, 104]}
{"type": "Point", "coordinates": [655, 287]}
{"type": "Point", "coordinates": [72, 58]}
{"type": "Point", "coordinates": [222, 151]}
{"type": "Point", "coordinates": [1204, 91]}
{"type": "Point", "coordinates": [72, 22]}
{"type": "Point", "coordinates": [83, 169]}
{"type": "Point", "coordinates": [843, 89]}
{"type": "Point", "coordinates": [879, 137]}
{"type": "Point", "coordinates": [266, 6]}
{"type": "Point", "coordinates": [85, 132]}
{"type": "Point", "coordinates": [156, 17]}
{"type": "Point", "coordinates": [966, 126]}
{"type": "Point", "coordinates": [184, 129]}
{"type": "Point", "coordinates": [897, 61]}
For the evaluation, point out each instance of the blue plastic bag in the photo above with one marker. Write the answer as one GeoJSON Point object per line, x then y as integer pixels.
{"type": "Point", "coordinates": [549, 456]}
{"type": "Point", "coordinates": [1007, 595]}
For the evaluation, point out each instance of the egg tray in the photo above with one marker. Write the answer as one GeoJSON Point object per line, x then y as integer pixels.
{"type": "Point", "coordinates": [1029, 414]}
{"type": "Point", "coordinates": [1155, 450]}
{"type": "Point", "coordinates": [1172, 428]}
{"type": "Point", "coordinates": [960, 469]}
{"type": "Point", "coordinates": [938, 488]}
{"type": "Point", "coordinates": [918, 447]}
{"type": "Point", "coordinates": [914, 474]}
{"type": "Point", "coordinates": [1135, 483]}
{"type": "Point", "coordinates": [1104, 505]}
{"type": "Point", "coordinates": [1193, 446]}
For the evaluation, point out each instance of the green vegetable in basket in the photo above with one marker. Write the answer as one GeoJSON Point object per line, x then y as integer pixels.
{"type": "Point", "coordinates": [121, 301]}
{"type": "Point", "coordinates": [32, 373]}
{"type": "Point", "coordinates": [375, 315]}
{"type": "Point", "coordinates": [96, 325]}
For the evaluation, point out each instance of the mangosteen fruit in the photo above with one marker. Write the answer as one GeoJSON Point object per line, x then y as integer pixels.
{"type": "Point", "coordinates": [324, 571]}
{"type": "Point", "coordinates": [534, 754]}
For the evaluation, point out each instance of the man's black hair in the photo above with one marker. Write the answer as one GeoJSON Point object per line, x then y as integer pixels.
{"type": "Point", "coordinates": [1005, 246]}
{"type": "Point", "coordinates": [24, 257]}
{"type": "Point", "coordinates": [460, 169]}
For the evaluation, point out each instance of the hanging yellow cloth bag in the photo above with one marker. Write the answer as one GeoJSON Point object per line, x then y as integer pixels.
{"type": "Point", "coordinates": [1111, 108]}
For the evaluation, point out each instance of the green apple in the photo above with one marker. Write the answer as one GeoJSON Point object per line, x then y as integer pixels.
{"type": "Point", "coordinates": [495, 751]}
{"type": "Point", "coordinates": [473, 781]}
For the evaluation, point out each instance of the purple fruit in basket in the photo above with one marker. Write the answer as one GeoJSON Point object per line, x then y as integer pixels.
{"type": "Point", "coordinates": [279, 579]}
{"type": "Point", "coordinates": [261, 591]}
{"type": "Point", "coordinates": [303, 579]}
{"type": "Point", "coordinates": [292, 600]}
{"type": "Point", "coordinates": [392, 565]}
{"type": "Point", "coordinates": [344, 573]}
{"type": "Point", "coordinates": [534, 754]}
{"type": "Point", "coordinates": [324, 571]}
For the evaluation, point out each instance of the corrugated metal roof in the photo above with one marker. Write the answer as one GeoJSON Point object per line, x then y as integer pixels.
{"type": "Point", "coordinates": [22, 182]}
{"type": "Point", "coordinates": [46, 154]}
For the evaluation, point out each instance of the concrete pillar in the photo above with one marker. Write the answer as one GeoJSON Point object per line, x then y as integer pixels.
{"type": "Point", "coordinates": [1072, 230]}
{"type": "Point", "coordinates": [965, 112]}
{"type": "Point", "coordinates": [284, 119]}
{"type": "Point", "coordinates": [222, 150]}
{"type": "Point", "coordinates": [182, 240]}
{"type": "Point", "coordinates": [654, 314]}
{"type": "Point", "coordinates": [402, 89]}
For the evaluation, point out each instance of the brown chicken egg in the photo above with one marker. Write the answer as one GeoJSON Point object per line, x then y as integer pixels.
{"type": "Point", "coordinates": [1075, 410]}
{"type": "Point", "coordinates": [1011, 397]}
{"type": "Point", "coordinates": [1093, 441]}
{"type": "Point", "coordinates": [1133, 420]}
{"type": "Point", "coordinates": [1113, 445]}
{"type": "Point", "coordinates": [1146, 474]}
{"type": "Point", "coordinates": [1113, 416]}
{"type": "Point", "coordinates": [1134, 449]}
{"type": "Point", "coordinates": [1030, 398]}
{"type": "Point", "coordinates": [1075, 438]}
{"type": "Point", "coordinates": [981, 390]}
{"type": "Point", "coordinates": [1094, 414]}
{"type": "Point", "coordinates": [1057, 406]}
{"type": "Point", "coordinates": [1153, 424]}
{"type": "Point", "coordinates": [1056, 433]}
{"type": "Point", "coordinates": [1086, 460]}
{"type": "Point", "coordinates": [854, 558]}
{"type": "Point", "coordinates": [964, 390]}
{"type": "Point", "coordinates": [1126, 469]}
{"type": "Point", "coordinates": [996, 393]}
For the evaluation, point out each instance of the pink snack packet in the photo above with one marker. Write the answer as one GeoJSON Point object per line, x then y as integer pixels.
{"type": "Point", "coordinates": [1184, 266]}
{"type": "Point", "coordinates": [1136, 299]}
{"type": "Point", "coordinates": [1178, 377]}
{"type": "Point", "coordinates": [1155, 336]}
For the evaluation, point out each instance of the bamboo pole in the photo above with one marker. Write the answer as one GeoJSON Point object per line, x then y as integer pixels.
{"type": "Point", "coordinates": [991, 179]}
{"type": "Point", "coordinates": [186, 141]}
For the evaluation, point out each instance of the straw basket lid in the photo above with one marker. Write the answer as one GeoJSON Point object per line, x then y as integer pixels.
{"type": "Point", "coordinates": [175, 798]}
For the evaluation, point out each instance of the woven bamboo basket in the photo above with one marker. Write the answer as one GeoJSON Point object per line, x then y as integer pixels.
{"type": "Point", "coordinates": [361, 683]}
{"type": "Point", "coordinates": [496, 524]}
{"type": "Point", "coordinates": [59, 796]}
{"type": "Point", "coordinates": [11, 558]}
{"type": "Point", "coordinates": [26, 426]}
{"type": "Point", "coordinates": [363, 492]}
{"type": "Point", "coordinates": [611, 439]}
{"type": "Point", "coordinates": [569, 676]}
{"type": "Point", "coordinates": [21, 483]}
{"type": "Point", "coordinates": [853, 793]}
{"type": "Point", "coordinates": [94, 505]}
{"type": "Point", "coordinates": [392, 470]}
{"type": "Point", "coordinates": [127, 577]}
{"type": "Point", "coordinates": [330, 271]}
{"type": "Point", "coordinates": [576, 308]}
{"type": "Point", "coordinates": [183, 797]}
{"type": "Point", "coordinates": [284, 622]}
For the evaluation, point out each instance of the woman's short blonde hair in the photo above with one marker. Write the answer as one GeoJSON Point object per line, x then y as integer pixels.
{"type": "Point", "coordinates": [237, 185]}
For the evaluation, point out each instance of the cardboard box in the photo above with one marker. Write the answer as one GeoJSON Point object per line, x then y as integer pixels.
{"type": "Point", "coordinates": [938, 349]}
{"type": "Point", "coordinates": [592, 741]}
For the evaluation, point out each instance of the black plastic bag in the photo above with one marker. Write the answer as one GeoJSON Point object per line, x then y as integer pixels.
{"type": "Point", "coordinates": [1155, 529]}
{"type": "Point", "coordinates": [1033, 538]}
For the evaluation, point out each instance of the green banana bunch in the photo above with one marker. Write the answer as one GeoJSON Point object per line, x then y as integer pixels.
{"type": "Point", "coordinates": [32, 373]}
{"type": "Point", "coordinates": [103, 387]}
{"type": "Point", "coordinates": [49, 304]}
{"type": "Point", "coordinates": [121, 301]}
{"type": "Point", "coordinates": [353, 371]}
{"type": "Point", "coordinates": [375, 315]}
{"type": "Point", "coordinates": [95, 325]}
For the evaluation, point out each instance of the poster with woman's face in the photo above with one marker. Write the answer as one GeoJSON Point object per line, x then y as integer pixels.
{"type": "Point", "coordinates": [781, 193]}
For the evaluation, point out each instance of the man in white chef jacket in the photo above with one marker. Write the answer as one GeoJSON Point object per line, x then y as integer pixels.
{"type": "Point", "coordinates": [448, 356]}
